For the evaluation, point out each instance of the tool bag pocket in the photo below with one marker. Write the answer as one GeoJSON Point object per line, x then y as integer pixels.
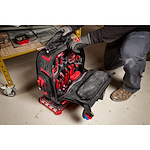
{"type": "Point", "coordinates": [45, 84]}
{"type": "Point", "coordinates": [93, 85]}
{"type": "Point", "coordinates": [87, 90]}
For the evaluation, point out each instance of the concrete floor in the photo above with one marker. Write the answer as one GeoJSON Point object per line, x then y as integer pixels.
{"type": "Point", "coordinates": [24, 108]}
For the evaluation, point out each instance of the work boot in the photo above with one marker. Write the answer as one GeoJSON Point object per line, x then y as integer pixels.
{"type": "Point", "coordinates": [148, 56]}
{"type": "Point", "coordinates": [120, 95]}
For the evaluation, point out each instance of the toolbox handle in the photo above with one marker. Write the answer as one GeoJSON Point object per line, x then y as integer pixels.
{"type": "Point", "coordinates": [57, 40]}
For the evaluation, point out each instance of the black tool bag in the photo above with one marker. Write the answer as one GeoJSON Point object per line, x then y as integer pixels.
{"type": "Point", "coordinates": [61, 75]}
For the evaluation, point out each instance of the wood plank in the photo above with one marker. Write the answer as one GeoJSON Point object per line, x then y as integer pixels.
{"type": "Point", "coordinates": [8, 51]}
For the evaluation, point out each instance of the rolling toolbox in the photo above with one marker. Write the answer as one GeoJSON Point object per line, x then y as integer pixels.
{"type": "Point", "coordinates": [62, 78]}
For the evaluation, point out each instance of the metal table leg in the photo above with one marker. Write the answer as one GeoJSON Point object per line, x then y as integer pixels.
{"type": "Point", "coordinates": [9, 88]}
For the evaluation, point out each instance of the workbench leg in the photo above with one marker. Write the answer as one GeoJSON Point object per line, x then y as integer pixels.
{"type": "Point", "coordinates": [9, 88]}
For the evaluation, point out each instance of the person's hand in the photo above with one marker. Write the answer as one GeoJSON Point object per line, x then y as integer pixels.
{"type": "Point", "coordinates": [66, 30]}
{"type": "Point", "coordinates": [78, 43]}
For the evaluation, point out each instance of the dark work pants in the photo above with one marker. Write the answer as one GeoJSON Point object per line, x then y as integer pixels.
{"type": "Point", "coordinates": [129, 51]}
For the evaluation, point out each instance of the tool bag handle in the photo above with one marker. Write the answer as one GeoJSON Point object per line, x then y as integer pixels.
{"type": "Point", "coordinates": [56, 41]}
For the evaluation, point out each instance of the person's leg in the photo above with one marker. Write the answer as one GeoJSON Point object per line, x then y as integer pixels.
{"type": "Point", "coordinates": [112, 55]}
{"type": "Point", "coordinates": [133, 54]}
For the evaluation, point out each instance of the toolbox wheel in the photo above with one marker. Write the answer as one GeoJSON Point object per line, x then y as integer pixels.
{"type": "Point", "coordinates": [12, 94]}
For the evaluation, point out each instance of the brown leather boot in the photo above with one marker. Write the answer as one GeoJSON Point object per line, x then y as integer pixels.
{"type": "Point", "coordinates": [120, 95]}
{"type": "Point", "coordinates": [148, 56]}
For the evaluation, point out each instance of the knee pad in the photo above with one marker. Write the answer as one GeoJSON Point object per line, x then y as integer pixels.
{"type": "Point", "coordinates": [130, 62]}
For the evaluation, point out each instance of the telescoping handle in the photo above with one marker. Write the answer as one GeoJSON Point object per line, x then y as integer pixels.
{"type": "Point", "coordinates": [57, 40]}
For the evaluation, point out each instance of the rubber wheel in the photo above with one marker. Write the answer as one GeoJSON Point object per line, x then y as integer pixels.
{"type": "Point", "coordinates": [12, 94]}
